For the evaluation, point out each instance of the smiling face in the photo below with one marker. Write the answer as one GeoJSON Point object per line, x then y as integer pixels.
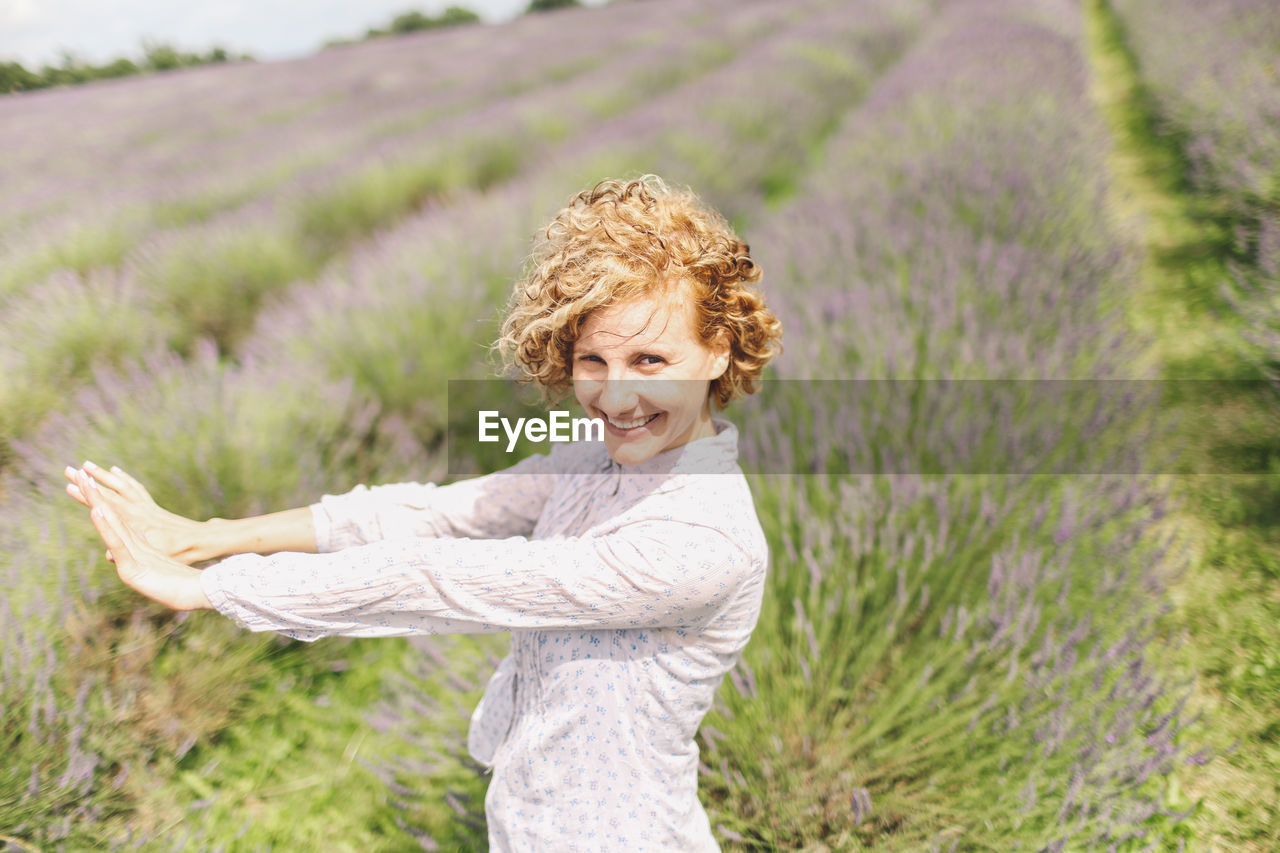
{"type": "Point", "coordinates": [641, 367]}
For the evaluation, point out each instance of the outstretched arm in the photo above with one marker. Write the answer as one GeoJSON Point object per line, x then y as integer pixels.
{"type": "Point", "coordinates": [648, 573]}
{"type": "Point", "coordinates": [507, 503]}
{"type": "Point", "coordinates": [184, 539]}
{"type": "Point", "coordinates": [496, 506]}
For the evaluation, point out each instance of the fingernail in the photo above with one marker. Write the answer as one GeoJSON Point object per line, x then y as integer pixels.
{"type": "Point", "coordinates": [89, 464]}
{"type": "Point", "coordinates": [97, 510]}
{"type": "Point", "coordinates": [116, 468]}
{"type": "Point", "coordinates": [69, 471]}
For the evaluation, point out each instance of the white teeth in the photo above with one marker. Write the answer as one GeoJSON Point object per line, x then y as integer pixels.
{"type": "Point", "coordinates": [632, 424]}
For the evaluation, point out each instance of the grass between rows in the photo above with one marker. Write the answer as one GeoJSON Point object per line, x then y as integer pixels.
{"type": "Point", "coordinates": [299, 773]}
{"type": "Point", "coordinates": [1228, 602]}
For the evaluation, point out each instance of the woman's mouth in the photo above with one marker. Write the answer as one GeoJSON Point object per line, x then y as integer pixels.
{"type": "Point", "coordinates": [630, 425]}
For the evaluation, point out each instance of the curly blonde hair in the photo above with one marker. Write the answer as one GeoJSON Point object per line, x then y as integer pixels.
{"type": "Point", "coordinates": [618, 241]}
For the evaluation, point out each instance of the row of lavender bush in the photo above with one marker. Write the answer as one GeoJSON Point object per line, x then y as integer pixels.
{"type": "Point", "coordinates": [128, 148]}
{"type": "Point", "coordinates": [1214, 81]}
{"type": "Point", "coordinates": [205, 433]}
{"type": "Point", "coordinates": [1212, 71]}
{"type": "Point", "coordinates": [125, 164]}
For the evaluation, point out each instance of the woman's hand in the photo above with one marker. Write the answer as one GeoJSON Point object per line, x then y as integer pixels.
{"type": "Point", "coordinates": [171, 535]}
{"type": "Point", "coordinates": [140, 565]}
{"type": "Point", "coordinates": [183, 539]}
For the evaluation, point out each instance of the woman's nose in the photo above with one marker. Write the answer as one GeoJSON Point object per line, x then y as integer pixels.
{"type": "Point", "coordinates": [617, 395]}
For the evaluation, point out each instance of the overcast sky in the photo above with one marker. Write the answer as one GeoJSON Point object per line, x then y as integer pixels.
{"type": "Point", "coordinates": [34, 32]}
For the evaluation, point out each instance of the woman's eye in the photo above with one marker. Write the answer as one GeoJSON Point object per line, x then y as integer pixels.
{"type": "Point", "coordinates": [651, 359]}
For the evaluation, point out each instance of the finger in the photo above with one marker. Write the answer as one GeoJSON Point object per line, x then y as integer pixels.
{"type": "Point", "coordinates": [108, 478]}
{"type": "Point", "coordinates": [83, 484]}
{"type": "Point", "coordinates": [75, 476]}
{"type": "Point", "coordinates": [97, 496]}
{"type": "Point", "coordinates": [89, 488]}
{"type": "Point", "coordinates": [130, 483]}
{"type": "Point", "coordinates": [74, 491]}
{"type": "Point", "coordinates": [107, 526]}
{"type": "Point", "coordinates": [118, 479]}
{"type": "Point", "coordinates": [127, 550]}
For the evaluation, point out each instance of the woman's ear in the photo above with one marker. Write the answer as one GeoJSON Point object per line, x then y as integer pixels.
{"type": "Point", "coordinates": [720, 353]}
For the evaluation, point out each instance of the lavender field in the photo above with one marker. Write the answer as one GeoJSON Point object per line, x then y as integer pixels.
{"type": "Point", "coordinates": [1201, 171]}
{"type": "Point", "coordinates": [250, 285]}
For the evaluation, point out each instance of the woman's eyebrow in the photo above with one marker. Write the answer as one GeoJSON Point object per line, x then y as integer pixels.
{"type": "Point", "coordinates": [640, 349]}
{"type": "Point", "coordinates": [616, 340]}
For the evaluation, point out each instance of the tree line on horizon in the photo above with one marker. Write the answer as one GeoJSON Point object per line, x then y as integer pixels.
{"type": "Point", "coordinates": [161, 56]}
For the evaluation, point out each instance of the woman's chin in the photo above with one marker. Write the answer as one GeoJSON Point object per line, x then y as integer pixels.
{"type": "Point", "coordinates": [628, 452]}
{"type": "Point", "coordinates": [639, 446]}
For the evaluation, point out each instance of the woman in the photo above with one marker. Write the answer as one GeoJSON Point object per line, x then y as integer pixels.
{"type": "Point", "coordinates": [629, 576]}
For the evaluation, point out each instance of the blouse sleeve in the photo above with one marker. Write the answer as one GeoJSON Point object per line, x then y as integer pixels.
{"type": "Point", "coordinates": [646, 574]}
{"type": "Point", "coordinates": [505, 503]}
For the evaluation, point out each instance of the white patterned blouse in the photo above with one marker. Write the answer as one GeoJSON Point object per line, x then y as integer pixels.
{"type": "Point", "coordinates": [628, 592]}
